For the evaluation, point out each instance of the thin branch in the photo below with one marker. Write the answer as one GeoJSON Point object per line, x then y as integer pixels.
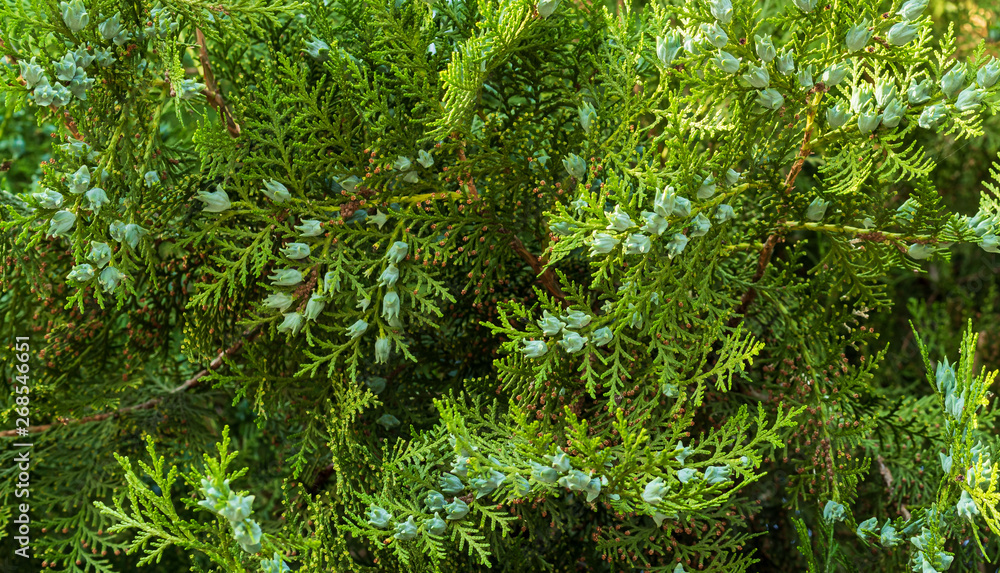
{"type": "Point", "coordinates": [152, 402]}
{"type": "Point", "coordinates": [545, 275]}
{"type": "Point", "coordinates": [212, 92]}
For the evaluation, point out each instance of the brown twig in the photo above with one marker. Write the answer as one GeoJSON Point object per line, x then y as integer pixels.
{"type": "Point", "coordinates": [152, 402]}
{"type": "Point", "coordinates": [772, 240]}
{"type": "Point", "coordinates": [545, 276]}
{"type": "Point", "coordinates": [212, 92]}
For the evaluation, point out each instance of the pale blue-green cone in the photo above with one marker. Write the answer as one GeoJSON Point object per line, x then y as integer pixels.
{"type": "Point", "coordinates": [887, 536]}
{"type": "Point", "coordinates": [860, 99]}
{"type": "Point", "coordinates": [109, 279]}
{"type": "Point", "coordinates": [868, 120]}
{"type": "Point", "coordinates": [726, 62]}
{"type": "Point", "coordinates": [522, 487]}
{"type": "Point", "coordinates": [834, 74]}
{"type": "Point", "coordinates": [215, 201]}
{"type": "Point", "coordinates": [43, 95]}
{"type": "Point", "coordinates": [276, 191]}
{"type": "Point", "coordinates": [401, 163]}
{"type": "Point", "coordinates": [757, 77]}
{"type": "Point", "coordinates": [575, 166]}
{"type": "Point", "coordinates": [285, 277]}
{"type": "Point", "coordinates": [655, 491]}
{"type": "Point", "coordinates": [953, 81]}
{"type": "Point", "coordinates": [867, 527]}
{"type": "Point", "coordinates": [32, 73]}
{"type": "Point", "coordinates": [990, 243]}
{"type": "Point", "coordinates": [436, 526]}
{"type": "Point", "coordinates": [378, 517]}
{"type": "Point", "coordinates": [901, 33]}
{"type": "Point", "coordinates": [676, 245]}
{"type": "Point", "coordinates": [969, 99]}
{"type": "Point", "coordinates": [110, 27]}
{"type": "Point", "coordinates": [722, 10]}
{"type": "Point", "coordinates": [296, 251]}
{"type": "Point", "coordinates": [48, 199]}
{"type": "Point", "coordinates": [81, 273]}
{"type": "Point", "coordinates": [562, 228]}
{"type": "Point", "coordinates": [388, 421]}
{"type": "Point", "coordinates": [682, 207]}
{"type": "Point", "coordinates": [587, 115]}
{"type": "Point", "coordinates": [707, 188]}
{"type": "Point", "coordinates": [684, 452]}
{"type": "Point", "coordinates": [572, 342]}
{"type": "Point", "coordinates": [637, 244]}
{"type": "Point", "coordinates": [715, 35]}
{"type": "Point", "coordinates": [547, 7]}
{"type": "Point", "coordinates": [560, 461]}
{"type": "Point", "coordinates": [885, 92]}
{"type": "Point", "coordinates": [619, 220]}
{"type": "Point", "coordinates": [350, 183]}
{"type": "Point", "coordinates": [534, 348]}
{"type": "Point", "coordinates": [670, 390]}
{"type": "Point", "coordinates": [389, 276]}
{"type": "Point", "coordinates": [717, 474]}
{"type": "Point", "coordinates": [190, 88]}
{"type": "Point", "coordinates": [988, 74]}
{"type": "Point", "coordinates": [61, 96]}
{"type": "Point", "coordinates": [117, 230]}
{"type": "Point", "coordinates": [543, 474]}
{"type": "Point", "coordinates": [838, 115]}
{"type": "Point", "coordinates": [805, 76]}
{"type": "Point", "coordinates": [833, 512]}
{"type": "Point", "coordinates": [655, 224]}
{"type": "Point", "coordinates": [104, 57]}
{"type": "Point", "coordinates": [664, 202]}
{"type": "Point", "coordinates": [912, 9]}
{"type": "Point", "coordinates": [80, 84]}
{"type": "Point", "coordinates": [100, 253]}
{"type": "Point", "coordinates": [601, 336]}
{"type": "Point", "coordinates": [379, 218]}
{"type": "Point", "coordinates": [83, 58]}
{"type": "Point", "coordinates": [309, 228]}
{"type": "Point", "coordinates": [894, 112]}
{"type": "Point", "coordinates": [274, 565]}
{"type": "Point", "coordinates": [602, 244]}
{"type": "Point", "coordinates": [363, 303]}
{"type": "Point", "coordinates": [293, 323]}
{"type": "Point", "coordinates": [66, 67]}
{"type": "Point", "coordinates": [731, 177]}
{"type": "Point", "coordinates": [919, 92]}
{"type": "Point", "coordinates": [724, 213]}
{"type": "Point", "coordinates": [376, 384]}
{"type": "Point", "coordinates": [390, 305]}
{"type": "Point", "coordinates": [946, 462]}
{"type": "Point", "coordinates": [406, 531]}
{"type": "Point", "coordinates": [817, 209]}
{"type": "Point", "coordinates": [279, 300]}
{"type": "Point", "coordinates": [770, 99]}
{"type": "Point", "coordinates": [79, 181]}
{"type": "Point", "coordinates": [919, 251]}
{"type": "Point", "coordinates": [382, 347]}
{"type": "Point", "coordinates": [434, 501]}
{"type": "Point", "coordinates": [315, 306]}
{"type": "Point", "coordinates": [456, 510]}
{"type": "Point", "coordinates": [247, 533]}
{"type": "Point", "coordinates": [424, 159]}
{"type": "Point", "coordinates": [785, 64]}
{"type": "Point", "coordinates": [74, 14]}
{"type": "Point", "coordinates": [237, 508]}
{"type": "Point", "coordinates": [944, 377]}
{"type": "Point", "coordinates": [151, 178]}
{"type": "Point", "coordinates": [397, 252]}
{"type": "Point", "coordinates": [576, 319]}
{"type": "Point", "coordinates": [967, 506]}
{"type": "Point", "coordinates": [700, 226]}
{"type": "Point", "coordinates": [685, 475]}
{"type": "Point", "coordinates": [450, 484]}
{"type": "Point", "coordinates": [805, 5]}
{"type": "Point", "coordinates": [932, 116]}
{"type": "Point", "coordinates": [764, 47]}
{"type": "Point", "coordinates": [411, 177]}
{"type": "Point", "coordinates": [550, 324]}
{"type": "Point", "coordinates": [318, 50]}
{"type": "Point", "coordinates": [488, 484]}
{"type": "Point", "coordinates": [61, 223]}
{"type": "Point", "coordinates": [668, 47]}
{"type": "Point", "coordinates": [858, 36]}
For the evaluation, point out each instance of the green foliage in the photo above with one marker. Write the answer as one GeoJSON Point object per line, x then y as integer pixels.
{"type": "Point", "coordinates": [499, 285]}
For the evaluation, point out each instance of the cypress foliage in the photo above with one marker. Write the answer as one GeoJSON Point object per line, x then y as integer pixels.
{"type": "Point", "coordinates": [496, 285]}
